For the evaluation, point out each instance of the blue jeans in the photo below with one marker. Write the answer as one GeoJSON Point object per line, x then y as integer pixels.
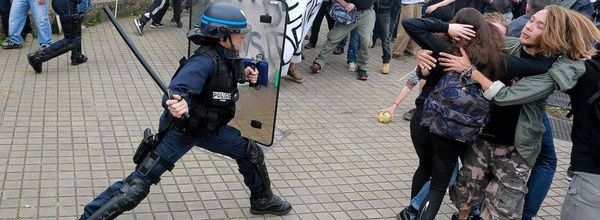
{"type": "Point", "coordinates": [353, 47]}
{"type": "Point", "coordinates": [541, 174]}
{"type": "Point", "coordinates": [174, 145]}
{"type": "Point", "coordinates": [18, 13]}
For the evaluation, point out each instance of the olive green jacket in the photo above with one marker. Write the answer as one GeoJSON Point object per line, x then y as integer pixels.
{"type": "Point", "coordinates": [531, 92]}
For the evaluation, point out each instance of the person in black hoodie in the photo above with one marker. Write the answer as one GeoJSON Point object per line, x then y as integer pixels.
{"type": "Point", "coordinates": [582, 198]}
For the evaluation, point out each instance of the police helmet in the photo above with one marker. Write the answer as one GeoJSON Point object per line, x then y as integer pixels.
{"type": "Point", "coordinates": [219, 21]}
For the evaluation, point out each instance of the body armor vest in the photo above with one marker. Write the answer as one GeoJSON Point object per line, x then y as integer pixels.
{"type": "Point", "coordinates": [214, 107]}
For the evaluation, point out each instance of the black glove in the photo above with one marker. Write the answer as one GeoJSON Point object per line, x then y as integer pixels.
{"type": "Point", "coordinates": [78, 18]}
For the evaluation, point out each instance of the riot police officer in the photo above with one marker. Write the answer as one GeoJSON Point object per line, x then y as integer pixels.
{"type": "Point", "coordinates": [71, 14]}
{"type": "Point", "coordinates": [204, 92]}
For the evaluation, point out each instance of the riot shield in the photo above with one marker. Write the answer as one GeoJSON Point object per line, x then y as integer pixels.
{"type": "Point", "coordinates": [257, 107]}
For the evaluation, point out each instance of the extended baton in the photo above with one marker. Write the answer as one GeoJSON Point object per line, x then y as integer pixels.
{"type": "Point", "coordinates": [138, 54]}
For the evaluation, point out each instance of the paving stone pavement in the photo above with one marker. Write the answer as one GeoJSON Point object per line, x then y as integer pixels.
{"type": "Point", "coordinates": [67, 133]}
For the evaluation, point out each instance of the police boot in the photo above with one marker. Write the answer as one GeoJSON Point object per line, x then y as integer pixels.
{"type": "Point", "coordinates": [37, 58]}
{"type": "Point", "coordinates": [267, 203]}
{"type": "Point", "coordinates": [78, 60]}
{"type": "Point", "coordinates": [264, 202]}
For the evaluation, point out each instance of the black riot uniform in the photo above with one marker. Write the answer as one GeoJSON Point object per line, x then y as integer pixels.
{"type": "Point", "coordinates": [208, 82]}
{"type": "Point", "coordinates": [71, 14]}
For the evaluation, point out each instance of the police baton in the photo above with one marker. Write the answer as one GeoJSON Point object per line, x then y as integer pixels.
{"type": "Point", "coordinates": [138, 54]}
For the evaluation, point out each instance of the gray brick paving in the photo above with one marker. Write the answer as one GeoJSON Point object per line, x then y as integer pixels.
{"type": "Point", "coordinates": [69, 132]}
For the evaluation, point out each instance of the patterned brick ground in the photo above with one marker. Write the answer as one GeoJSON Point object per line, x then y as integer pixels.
{"type": "Point", "coordinates": [69, 132]}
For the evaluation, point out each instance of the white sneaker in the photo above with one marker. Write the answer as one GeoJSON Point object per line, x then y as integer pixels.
{"type": "Point", "coordinates": [352, 67]}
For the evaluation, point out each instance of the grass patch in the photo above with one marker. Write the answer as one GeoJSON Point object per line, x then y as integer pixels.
{"type": "Point", "coordinates": [2, 38]}
{"type": "Point", "coordinates": [558, 112]}
{"type": "Point", "coordinates": [95, 19]}
{"type": "Point", "coordinates": [137, 12]}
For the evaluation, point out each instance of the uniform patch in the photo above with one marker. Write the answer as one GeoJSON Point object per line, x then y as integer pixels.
{"type": "Point", "coordinates": [221, 96]}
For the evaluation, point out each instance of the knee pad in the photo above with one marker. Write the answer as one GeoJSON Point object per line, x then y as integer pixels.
{"type": "Point", "coordinates": [257, 157]}
{"type": "Point", "coordinates": [255, 153]}
{"type": "Point", "coordinates": [133, 191]}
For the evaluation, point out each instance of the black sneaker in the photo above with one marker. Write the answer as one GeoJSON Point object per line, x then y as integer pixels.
{"type": "Point", "coordinates": [79, 60]}
{"type": "Point", "coordinates": [270, 205]}
{"type": "Point", "coordinates": [35, 63]}
{"type": "Point", "coordinates": [139, 25]}
{"type": "Point", "coordinates": [10, 45]}
{"type": "Point", "coordinates": [179, 24]}
{"type": "Point", "coordinates": [407, 214]}
{"type": "Point", "coordinates": [155, 25]}
{"type": "Point", "coordinates": [569, 175]}
{"type": "Point", "coordinates": [362, 75]}
{"type": "Point", "coordinates": [471, 217]}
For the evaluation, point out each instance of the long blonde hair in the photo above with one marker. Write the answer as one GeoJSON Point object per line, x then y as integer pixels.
{"type": "Point", "coordinates": [568, 32]}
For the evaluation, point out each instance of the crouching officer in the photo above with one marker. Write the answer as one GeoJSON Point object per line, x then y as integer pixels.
{"type": "Point", "coordinates": [71, 14]}
{"type": "Point", "coordinates": [204, 92]}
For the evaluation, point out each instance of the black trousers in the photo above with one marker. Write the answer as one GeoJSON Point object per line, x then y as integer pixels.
{"type": "Point", "coordinates": [70, 21]}
{"type": "Point", "coordinates": [437, 158]}
{"type": "Point", "coordinates": [177, 9]}
{"type": "Point", "coordinates": [316, 26]}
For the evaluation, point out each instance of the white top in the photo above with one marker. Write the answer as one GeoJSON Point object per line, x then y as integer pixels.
{"type": "Point", "coordinates": [410, 2]}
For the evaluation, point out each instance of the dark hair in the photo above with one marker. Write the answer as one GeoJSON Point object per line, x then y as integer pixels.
{"type": "Point", "coordinates": [485, 49]}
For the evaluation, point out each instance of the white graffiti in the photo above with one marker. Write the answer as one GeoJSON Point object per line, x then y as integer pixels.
{"type": "Point", "coordinates": [301, 14]}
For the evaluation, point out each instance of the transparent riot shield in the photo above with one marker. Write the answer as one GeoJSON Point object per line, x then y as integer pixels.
{"type": "Point", "coordinates": [257, 107]}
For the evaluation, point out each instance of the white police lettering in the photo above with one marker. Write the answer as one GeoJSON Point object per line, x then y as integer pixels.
{"type": "Point", "coordinates": [221, 96]}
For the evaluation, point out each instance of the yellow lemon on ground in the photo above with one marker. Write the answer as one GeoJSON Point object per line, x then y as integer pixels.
{"type": "Point", "coordinates": [384, 117]}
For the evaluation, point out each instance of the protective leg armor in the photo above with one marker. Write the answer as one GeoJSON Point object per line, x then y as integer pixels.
{"type": "Point", "coordinates": [134, 190]}
{"type": "Point", "coordinates": [265, 202]}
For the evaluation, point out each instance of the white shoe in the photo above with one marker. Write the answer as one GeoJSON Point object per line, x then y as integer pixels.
{"type": "Point", "coordinates": [352, 67]}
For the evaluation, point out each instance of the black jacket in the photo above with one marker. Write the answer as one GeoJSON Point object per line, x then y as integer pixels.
{"type": "Point", "coordinates": [585, 155]}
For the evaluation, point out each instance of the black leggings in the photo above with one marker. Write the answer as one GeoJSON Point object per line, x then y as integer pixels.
{"type": "Point", "coordinates": [437, 158]}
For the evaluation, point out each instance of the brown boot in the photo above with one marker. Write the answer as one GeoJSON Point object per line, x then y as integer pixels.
{"type": "Point", "coordinates": [293, 74]}
{"type": "Point", "coordinates": [385, 68]}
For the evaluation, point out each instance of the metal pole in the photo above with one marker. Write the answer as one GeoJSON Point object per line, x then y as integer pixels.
{"type": "Point", "coordinates": [135, 51]}
{"type": "Point", "coordinates": [116, 8]}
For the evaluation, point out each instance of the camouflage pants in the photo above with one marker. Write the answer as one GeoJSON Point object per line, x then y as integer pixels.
{"type": "Point", "coordinates": [494, 173]}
